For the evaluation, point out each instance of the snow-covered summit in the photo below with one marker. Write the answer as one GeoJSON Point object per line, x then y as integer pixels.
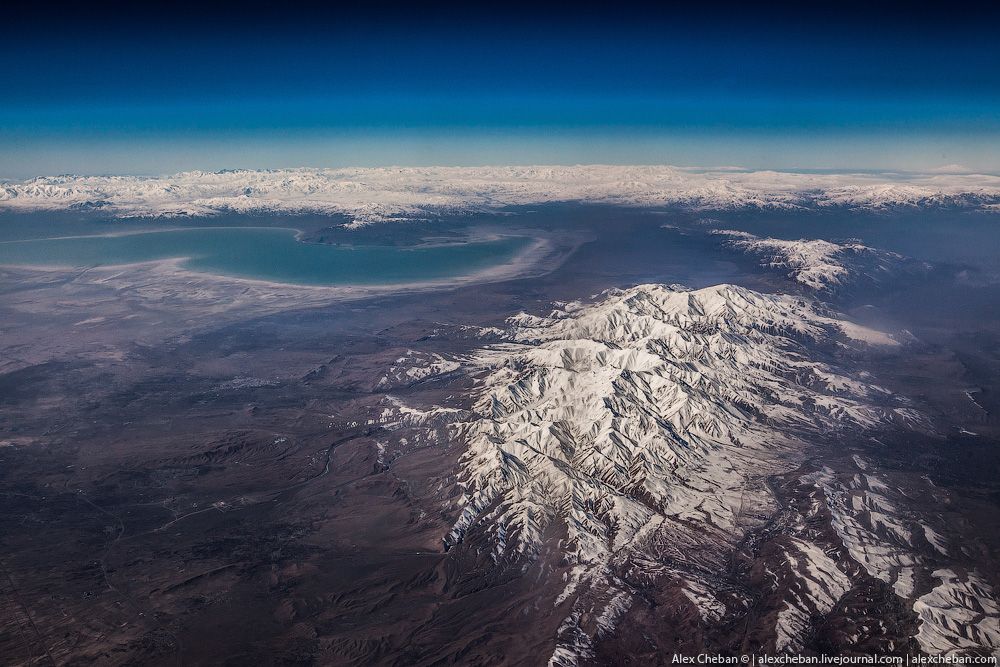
{"type": "Point", "coordinates": [372, 194]}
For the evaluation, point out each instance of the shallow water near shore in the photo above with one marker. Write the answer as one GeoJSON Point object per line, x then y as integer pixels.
{"type": "Point", "coordinates": [268, 254]}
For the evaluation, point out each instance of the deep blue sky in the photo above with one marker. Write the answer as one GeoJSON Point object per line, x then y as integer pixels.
{"type": "Point", "coordinates": [158, 90]}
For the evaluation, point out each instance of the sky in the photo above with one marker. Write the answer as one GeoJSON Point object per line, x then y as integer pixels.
{"type": "Point", "coordinates": [154, 90]}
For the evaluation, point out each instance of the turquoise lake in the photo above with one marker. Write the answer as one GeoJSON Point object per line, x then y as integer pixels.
{"type": "Point", "coordinates": [272, 254]}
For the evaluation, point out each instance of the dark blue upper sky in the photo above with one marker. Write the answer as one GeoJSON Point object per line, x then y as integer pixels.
{"type": "Point", "coordinates": [157, 90]}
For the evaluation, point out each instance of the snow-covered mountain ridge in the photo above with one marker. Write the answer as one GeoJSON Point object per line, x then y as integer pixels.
{"type": "Point", "coordinates": [634, 388]}
{"type": "Point", "coordinates": [650, 417]}
{"type": "Point", "coordinates": [374, 194]}
{"type": "Point", "coordinates": [823, 266]}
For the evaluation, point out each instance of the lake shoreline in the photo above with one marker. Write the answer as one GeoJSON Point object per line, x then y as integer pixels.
{"type": "Point", "coordinates": [542, 255]}
{"type": "Point", "coordinates": [290, 261]}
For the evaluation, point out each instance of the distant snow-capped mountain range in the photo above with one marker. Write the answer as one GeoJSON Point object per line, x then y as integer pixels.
{"type": "Point", "coordinates": [378, 194]}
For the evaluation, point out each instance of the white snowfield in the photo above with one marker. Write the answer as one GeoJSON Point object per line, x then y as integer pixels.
{"type": "Point", "coordinates": [628, 423]}
{"type": "Point", "coordinates": [377, 194]}
{"type": "Point", "coordinates": [819, 265]}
